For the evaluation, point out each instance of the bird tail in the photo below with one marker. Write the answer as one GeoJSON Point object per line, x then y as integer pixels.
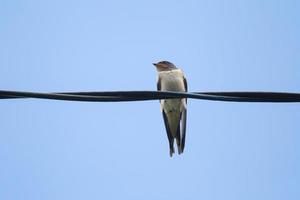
{"type": "Point", "coordinates": [179, 146]}
{"type": "Point", "coordinates": [171, 146]}
{"type": "Point", "coordinates": [178, 140]}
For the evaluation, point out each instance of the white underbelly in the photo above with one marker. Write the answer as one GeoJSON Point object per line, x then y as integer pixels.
{"type": "Point", "coordinates": [172, 81]}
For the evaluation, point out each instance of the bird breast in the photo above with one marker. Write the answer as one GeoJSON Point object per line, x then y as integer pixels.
{"type": "Point", "coordinates": [172, 80]}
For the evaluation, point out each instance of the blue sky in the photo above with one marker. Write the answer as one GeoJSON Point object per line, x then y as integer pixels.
{"type": "Point", "coordinates": [72, 150]}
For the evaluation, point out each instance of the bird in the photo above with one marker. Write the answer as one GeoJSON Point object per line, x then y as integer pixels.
{"type": "Point", "coordinates": [174, 111]}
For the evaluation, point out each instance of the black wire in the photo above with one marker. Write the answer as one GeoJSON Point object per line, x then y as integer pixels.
{"type": "Point", "coordinates": [117, 96]}
{"type": "Point", "coordinates": [110, 96]}
{"type": "Point", "coordinates": [275, 97]}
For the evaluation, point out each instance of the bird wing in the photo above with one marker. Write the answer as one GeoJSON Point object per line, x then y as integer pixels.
{"type": "Point", "coordinates": [163, 112]}
{"type": "Point", "coordinates": [183, 119]}
{"type": "Point", "coordinates": [168, 130]}
{"type": "Point", "coordinates": [159, 85]}
{"type": "Point", "coordinates": [166, 122]}
{"type": "Point", "coordinates": [183, 128]}
{"type": "Point", "coordinates": [185, 86]}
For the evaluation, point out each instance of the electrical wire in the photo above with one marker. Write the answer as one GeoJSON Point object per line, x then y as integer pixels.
{"type": "Point", "coordinates": [118, 96]}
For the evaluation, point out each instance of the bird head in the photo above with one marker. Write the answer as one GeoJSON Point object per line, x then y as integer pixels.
{"type": "Point", "coordinates": [164, 66]}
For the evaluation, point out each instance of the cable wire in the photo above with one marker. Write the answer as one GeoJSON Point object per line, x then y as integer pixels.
{"type": "Point", "coordinates": [118, 96]}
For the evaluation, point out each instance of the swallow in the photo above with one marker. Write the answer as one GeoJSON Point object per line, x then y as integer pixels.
{"type": "Point", "coordinates": [174, 111]}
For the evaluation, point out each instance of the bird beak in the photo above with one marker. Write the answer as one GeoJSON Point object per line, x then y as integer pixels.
{"type": "Point", "coordinates": [154, 64]}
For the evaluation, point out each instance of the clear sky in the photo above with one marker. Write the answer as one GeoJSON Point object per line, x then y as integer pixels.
{"type": "Point", "coordinates": [71, 150]}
